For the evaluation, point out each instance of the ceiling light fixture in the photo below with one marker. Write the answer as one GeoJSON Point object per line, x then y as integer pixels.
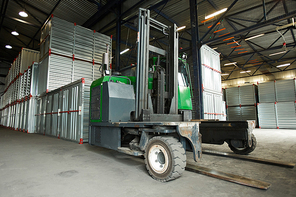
{"type": "Point", "coordinates": [224, 74]}
{"type": "Point", "coordinates": [15, 33]}
{"type": "Point", "coordinates": [8, 46]}
{"type": "Point", "coordinates": [216, 13]}
{"type": "Point", "coordinates": [180, 28]}
{"type": "Point", "coordinates": [247, 71]}
{"type": "Point", "coordinates": [215, 48]}
{"type": "Point", "coordinates": [254, 37]}
{"type": "Point", "coordinates": [277, 53]}
{"type": "Point", "coordinates": [282, 65]}
{"type": "Point", "coordinates": [23, 14]}
{"type": "Point", "coordinates": [124, 51]}
{"type": "Point", "coordinates": [231, 63]}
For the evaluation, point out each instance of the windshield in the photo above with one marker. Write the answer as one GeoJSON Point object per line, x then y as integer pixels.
{"type": "Point", "coordinates": [182, 74]}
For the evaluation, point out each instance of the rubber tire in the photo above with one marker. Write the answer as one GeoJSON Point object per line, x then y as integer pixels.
{"type": "Point", "coordinates": [176, 158]}
{"type": "Point", "coordinates": [246, 150]}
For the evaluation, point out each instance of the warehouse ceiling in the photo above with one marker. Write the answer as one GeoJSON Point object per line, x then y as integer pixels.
{"type": "Point", "coordinates": [227, 32]}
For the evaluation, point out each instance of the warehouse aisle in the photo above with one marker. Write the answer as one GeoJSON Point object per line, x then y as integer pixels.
{"type": "Point", "coordinates": [37, 165]}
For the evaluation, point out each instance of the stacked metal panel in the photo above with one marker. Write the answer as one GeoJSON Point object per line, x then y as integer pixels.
{"type": "Point", "coordinates": [266, 92]}
{"type": "Point", "coordinates": [286, 115]}
{"type": "Point", "coordinates": [267, 106]}
{"type": "Point", "coordinates": [234, 113]}
{"type": "Point", "coordinates": [70, 52]}
{"type": "Point", "coordinates": [280, 96]}
{"type": "Point", "coordinates": [17, 90]}
{"type": "Point", "coordinates": [214, 107]}
{"type": "Point", "coordinates": [286, 100]}
{"type": "Point", "coordinates": [64, 112]}
{"type": "Point", "coordinates": [267, 115]}
{"type": "Point", "coordinates": [285, 90]}
{"type": "Point", "coordinates": [241, 103]}
{"type": "Point", "coordinates": [232, 96]}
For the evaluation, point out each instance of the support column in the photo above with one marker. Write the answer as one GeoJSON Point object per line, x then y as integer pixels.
{"type": "Point", "coordinates": [197, 70]}
{"type": "Point", "coordinates": [118, 39]}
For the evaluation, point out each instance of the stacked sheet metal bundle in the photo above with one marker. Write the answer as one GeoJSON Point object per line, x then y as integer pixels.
{"type": "Point", "coordinates": [64, 113]}
{"type": "Point", "coordinates": [277, 104]}
{"type": "Point", "coordinates": [241, 103]}
{"type": "Point", "coordinates": [214, 107]}
{"type": "Point", "coordinates": [70, 52]}
{"type": "Point", "coordinates": [17, 90]}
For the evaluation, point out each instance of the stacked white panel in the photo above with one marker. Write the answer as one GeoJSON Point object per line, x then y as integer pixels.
{"type": "Point", "coordinates": [223, 115]}
{"type": "Point", "coordinates": [211, 71]}
{"type": "Point", "coordinates": [211, 84]}
{"type": "Point", "coordinates": [214, 107]}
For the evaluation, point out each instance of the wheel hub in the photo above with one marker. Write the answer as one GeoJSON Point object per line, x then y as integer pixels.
{"type": "Point", "coordinates": [158, 159]}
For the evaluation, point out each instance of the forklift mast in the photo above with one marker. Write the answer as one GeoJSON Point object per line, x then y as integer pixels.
{"type": "Point", "coordinates": [163, 98]}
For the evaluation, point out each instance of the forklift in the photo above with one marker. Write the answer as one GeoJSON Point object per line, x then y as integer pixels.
{"type": "Point", "coordinates": [150, 114]}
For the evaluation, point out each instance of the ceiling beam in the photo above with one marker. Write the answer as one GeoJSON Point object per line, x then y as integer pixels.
{"type": "Point", "coordinates": [264, 10]}
{"type": "Point", "coordinates": [272, 48]}
{"type": "Point", "coordinates": [286, 11]}
{"type": "Point", "coordinates": [271, 9]}
{"type": "Point", "coordinates": [102, 12]}
{"type": "Point", "coordinates": [165, 16]}
{"type": "Point", "coordinates": [261, 55]}
{"type": "Point", "coordinates": [221, 17]}
{"type": "Point", "coordinates": [21, 33]}
{"type": "Point", "coordinates": [277, 39]}
{"type": "Point", "coordinates": [31, 6]}
{"type": "Point", "coordinates": [22, 21]}
{"type": "Point", "coordinates": [29, 12]}
{"type": "Point", "coordinates": [53, 9]}
{"type": "Point", "coordinates": [289, 65]}
{"type": "Point", "coordinates": [2, 6]}
{"type": "Point", "coordinates": [14, 36]}
{"type": "Point", "coordinates": [256, 44]}
{"type": "Point", "coordinates": [258, 74]}
{"type": "Point", "coordinates": [242, 19]}
{"type": "Point", "coordinates": [135, 16]}
{"type": "Point", "coordinates": [253, 27]}
{"type": "Point", "coordinates": [3, 12]}
{"type": "Point", "coordinates": [122, 15]}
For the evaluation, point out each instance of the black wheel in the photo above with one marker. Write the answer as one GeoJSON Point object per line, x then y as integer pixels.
{"type": "Point", "coordinates": [247, 149]}
{"type": "Point", "coordinates": [165, 158]}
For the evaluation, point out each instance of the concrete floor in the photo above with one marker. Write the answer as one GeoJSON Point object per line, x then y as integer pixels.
{"type": "Point", "coordinates": [37, 165]}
